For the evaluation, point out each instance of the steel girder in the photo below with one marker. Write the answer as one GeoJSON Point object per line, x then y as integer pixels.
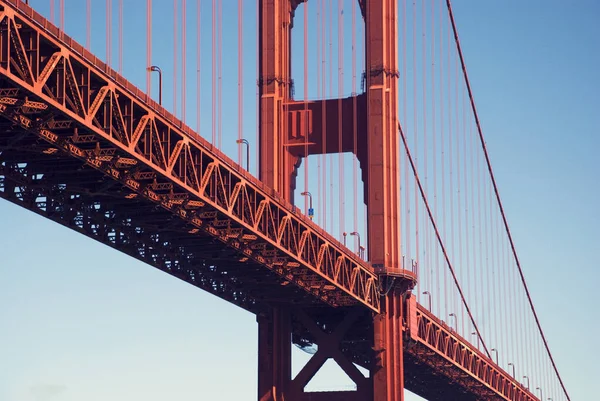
{"type": "Point", "coordinates": [437, 346]}
{"type": "Point", "coordinates": [84, 147]}
{"type": "Point", "coordinates": [82, 108]}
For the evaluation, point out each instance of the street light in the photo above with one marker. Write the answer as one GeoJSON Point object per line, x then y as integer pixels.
{"type": "Point", "coordinates": [361, 251]}
{"type": "Point", "coordinates": [541, 395]}
{"type": "Point", "coordinates": [496, 351]}
{"type": "Point", "coordinates": [354, 233]}
{"type": "Point", "coordinates": [477, 337]}
{"type": "Point", "coordinates": [245, 142]}
{"type": "Point", "coordinates": [525, 377]}
{"type": "Point", "coordinates": [429, 297]}
{"type": "Point", "coordinates": [154, 68]}
{"type": "Point", "coordinates": [344, 234]}
{"type": "Point", "coordinates": [513, 368]}
{"type": "Point", "coordinates": [455, 320]}
{"type": "Point", "coordinates": [311, 211]}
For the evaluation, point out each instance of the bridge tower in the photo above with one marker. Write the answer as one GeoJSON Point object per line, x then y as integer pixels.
{"type": "Point", "coordinates": [288, 129]}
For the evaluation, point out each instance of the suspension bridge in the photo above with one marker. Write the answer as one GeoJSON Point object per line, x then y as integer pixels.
{"type": "Point", "coordinates": [431, 298]}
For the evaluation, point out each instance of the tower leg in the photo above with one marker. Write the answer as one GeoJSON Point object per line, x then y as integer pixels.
{"type": "Point", "coordinates": [274, 354]}
{"type": "Point", "coordinates": [388, 369]}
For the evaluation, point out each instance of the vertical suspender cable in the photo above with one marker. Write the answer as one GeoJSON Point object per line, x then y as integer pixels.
{"type": "Point", "coordinates": [457, 134]}
{"type": "Point", "coordinates": [183, 57]}
{"type": "Point", "coordinates": [198, 65]}
{"type": "Point", "coordinates": [175, 25]}
{"type": "Point", "coordinates": [450, 164]}
{"type": "Point", "coordinates": [342, 197]}
{"type": "Point", "coordinates": [240, 77]}
{"type": "Point", "coordinates": [331, 179]}
{"type": "Point", "coordinates": [323, 110]}
{"type": "Point", "coordinates": [120, 33]}
{"type": "Point", "coordinates": [257, 130]}
{"type": "Point", "coordinates": [433, 285]}
{"type": "Point", "coordinates": [424, 70]}
{"type": "Point", "coordinates": [220, 62]}
{"type": "Point", "coordinates": [148, 46]}
{"type": "Point", "coordinates": [405, 118]}
{"type": "Point", "coordinates": [52, 11]}
{"type": "Point", "coordinates": [415, 125]}
{"type": "Point", "coordinates": [355, 128]}
{"type": "Point", "coordinates": [108, 32]}
{"type": "Point", "coordinates": [61, 4]}
{"type": "Point", "coordinates": [88, 25]}
{"type": "Point", "coordinates": [305, 123]}
{"type": "Point", "coordinates": [319, 96]}
{"type": "Point", "coordinates": [466, 196]}
{"type": "Point", "coordinates": [443, 156]}
{"type": "Point", "coordinates": [214, 73]}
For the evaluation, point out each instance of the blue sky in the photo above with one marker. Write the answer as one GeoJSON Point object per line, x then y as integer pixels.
{"type": "Point", "coordinates": [82, 321]}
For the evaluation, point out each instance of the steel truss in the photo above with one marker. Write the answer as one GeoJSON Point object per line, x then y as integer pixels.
{"type": "Point", "coordinates": [439, 347]}
{"type": "Point", "coordinates": [64, 95]}
{"type": "Point", "coordinates": [82, 146]}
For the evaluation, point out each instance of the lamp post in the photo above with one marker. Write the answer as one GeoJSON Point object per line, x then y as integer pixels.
{"type": "Point", "coordinates": [344, 235]}
{"type": "Point", "coordinates": [525, 377]}
{"type": "Point", "coordinates": [477, 337]}
{"type": "Point", "coordinates": [154, 68]}
{"type": "Point", "coordinates": [361, 252]}
{"type": "Point", "coordinates": [513, 368]}
{"type": "Point", "coordinates": [455, 320]}
{"type": "Point", "coordinates": [429, 297]}
{"type": "Point", "coordinates": [245, 142]}
{"type": "Point", "coordinates": [496, 351]}
{"type": "Point", "coordinates": [541, 394]}
{"type": "Point", "coordinates": [354, 233]}
{"type": "Point", "coordinates": [311, 211]}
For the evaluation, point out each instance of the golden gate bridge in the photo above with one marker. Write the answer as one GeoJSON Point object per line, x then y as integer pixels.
{"type": "Point", "coordinates": [433, 299]}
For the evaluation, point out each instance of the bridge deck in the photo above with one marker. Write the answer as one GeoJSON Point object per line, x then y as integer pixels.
{"type": "Point", "coordinates": [57, 91]}
{"type": "Point", "coordinates": [82, 146]}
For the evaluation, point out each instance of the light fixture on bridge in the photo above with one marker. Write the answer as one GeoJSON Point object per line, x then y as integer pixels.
{"type": "Point", "coordinates": [525, 377]}
{"type": "Point", "coordinates": [513, 368]}
{"type": "Point", "coordinates": [154, 68]}
{"type": "Point", "coordinates": [429, 297]}
{"type": "Point", "coordinates": [496, 351]}
{"type": "Point", "coordinates": [311, 211]}
{"type": "Point", "coordinates": [356, 234]}
{"type": "Point", "coordinates": [245, 142]}
{"type": "Point", "coordinates": [455, 320]}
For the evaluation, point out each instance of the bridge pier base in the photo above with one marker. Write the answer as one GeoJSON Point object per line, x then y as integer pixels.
{"type": "Point", "coordinates": [333, 340]}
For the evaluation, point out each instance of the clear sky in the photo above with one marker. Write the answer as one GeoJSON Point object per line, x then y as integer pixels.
{"type": "Point", "coordinates": [80, 321]}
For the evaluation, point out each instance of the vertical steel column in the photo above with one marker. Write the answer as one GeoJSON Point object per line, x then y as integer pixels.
{"type": "Point", "coordinates": [274, 354]}
{"type": "Point", "coordinates": [382, 136]}
{"type": "Point", "coordinates": [276, 165]}
{"type": "Point", "coordinates": [382, 192]}
{"type": "Point", "coordinates": [388, 367]}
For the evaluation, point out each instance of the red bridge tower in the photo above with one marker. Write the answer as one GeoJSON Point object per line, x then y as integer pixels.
{"type": "Point", "coordinates": [288, 129]}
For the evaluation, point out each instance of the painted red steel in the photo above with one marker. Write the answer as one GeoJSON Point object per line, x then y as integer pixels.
{"type": "Point", "coordinates": [83, 147]}
{"type": "Point", "coordinates": [115, 128]}
{"type": "Point", "coordinates": [441, 347]}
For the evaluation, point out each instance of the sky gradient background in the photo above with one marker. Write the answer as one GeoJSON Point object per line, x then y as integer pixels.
{"type": "Point", "coordinates": [80, 321]}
